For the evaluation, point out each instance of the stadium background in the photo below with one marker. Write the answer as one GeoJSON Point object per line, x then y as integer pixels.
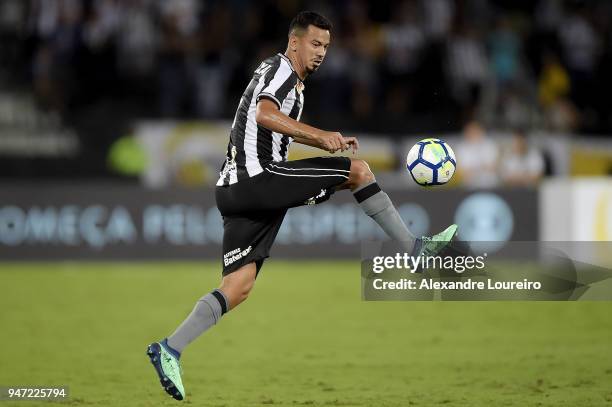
{"type": "Point", "coordinates": [114, 118]}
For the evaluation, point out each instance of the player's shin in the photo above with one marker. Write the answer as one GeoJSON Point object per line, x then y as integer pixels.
{"type": "Point", "coordinates": [377, 205]}
{"type": "Point", "coordinates": [207, 312]}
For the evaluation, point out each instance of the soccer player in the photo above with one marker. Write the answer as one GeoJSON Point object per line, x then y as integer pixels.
{"type": "Point", "coordinates": [257, 185]}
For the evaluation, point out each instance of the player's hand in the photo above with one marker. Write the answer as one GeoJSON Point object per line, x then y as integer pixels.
{"type": "Point", "coordinates": [335, 141]}
{"type": "Point", "coordinates": [352, 142]}
{"type": "Point", "coordinates": [331, 142]}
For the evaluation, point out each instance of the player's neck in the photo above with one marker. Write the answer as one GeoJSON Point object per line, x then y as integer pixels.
{"type": "Point", "coordinates": [299, 70]}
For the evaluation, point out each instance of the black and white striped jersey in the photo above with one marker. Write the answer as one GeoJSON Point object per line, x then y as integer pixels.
{"type": "Point", "coordinates": [252, 147]}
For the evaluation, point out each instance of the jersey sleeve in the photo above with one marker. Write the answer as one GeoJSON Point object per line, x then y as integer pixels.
{"type": "Point", "coordinates": [277, 84]}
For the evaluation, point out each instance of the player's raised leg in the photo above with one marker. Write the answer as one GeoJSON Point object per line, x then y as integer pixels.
{"type": "Point", "coordinates": [377, 205]}
{"type": "Point", "coordinates": [165, 354]}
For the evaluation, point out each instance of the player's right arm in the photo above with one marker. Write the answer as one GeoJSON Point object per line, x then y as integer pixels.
{"type": "Point", "coordinates": [269, 116]}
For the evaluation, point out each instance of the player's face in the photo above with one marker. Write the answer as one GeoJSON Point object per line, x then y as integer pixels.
{"type": "Point", "coordinates": [312, 47]}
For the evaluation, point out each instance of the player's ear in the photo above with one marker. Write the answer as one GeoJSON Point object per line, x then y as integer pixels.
{"type": "Point", "coordinates": [293, 40]}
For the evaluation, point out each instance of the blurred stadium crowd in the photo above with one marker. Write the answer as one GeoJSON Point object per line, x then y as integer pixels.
{"type": "Point", "coordinates": [543, 62]}
{"type": "Point", "coordinates": [394, 67]}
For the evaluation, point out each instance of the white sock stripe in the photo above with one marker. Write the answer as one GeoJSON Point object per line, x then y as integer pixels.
{"type": "Point", "coordinates": [307, 175]}
{"type": "Point", "coordinates": [310, 169]}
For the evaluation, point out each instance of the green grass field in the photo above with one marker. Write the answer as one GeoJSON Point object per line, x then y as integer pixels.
{"type": "Point", "coordinates": [303, 338]}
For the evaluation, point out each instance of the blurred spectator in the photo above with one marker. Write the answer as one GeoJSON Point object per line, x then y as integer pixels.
{"type": "Point", "coordinates": [364, 42]}
{"type": "Point", "coordinates": [581, 50]}
{"type": "Point", "coordinates": [505, 52]}
{"type": "Point", "coordinates": [522, 165]}
{"type": "Point", "coordinates": [517, 107]}
{"type": "Point", "coordinates": [136, 39]}
{"type": "Point", "coordinates": [549, 15]}
{"type": "Point", "coordinates": [57, 24]}
{"type": "Point", "coordinates": [477, 158]}
{"type": "Point", "coordinates": [554, 82]}
{"type": "Point", "coordinates": [404, 40]}
{"type": "Point", "coordinates": [438, 18]}
{"type": "Point", "coordinates": [177, 64]}
{"type": "Point", "coordinates": [102, 25]}
{"type": "Point", "coordinates": [215, 63]}
{"type": "Point", "coordinates": [12, 14]}
{"type": "Point", "coordinates": [467, 66]}
{"type": "Point", "coordinates": [508, 99]}
{"type": "Point", "coordinates": [561, 116]}
{"type": "Point", "coordinates": [553, 91]}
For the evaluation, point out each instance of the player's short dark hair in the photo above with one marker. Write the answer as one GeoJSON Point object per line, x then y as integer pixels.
{"type": "Point", "coordinates": [305, 18]}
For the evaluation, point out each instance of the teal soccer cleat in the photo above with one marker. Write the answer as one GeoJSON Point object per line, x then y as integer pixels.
{"type": "Point", "coordinates": [168, 369]}
{"type": "Point", "coordinates": [432, 246]}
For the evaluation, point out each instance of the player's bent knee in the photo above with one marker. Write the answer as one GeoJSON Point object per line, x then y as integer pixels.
{"type": "Point", "coordinates": [360, 173]}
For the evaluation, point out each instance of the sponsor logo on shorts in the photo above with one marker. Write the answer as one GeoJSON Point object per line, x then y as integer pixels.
{"type": "Point", "coordinates": [235, 255]}
{"type": "Point", "coordinates": [313, 200]}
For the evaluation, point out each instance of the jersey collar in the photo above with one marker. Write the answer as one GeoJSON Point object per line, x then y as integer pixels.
{"type": "Point", "coordinates": [283, 56]}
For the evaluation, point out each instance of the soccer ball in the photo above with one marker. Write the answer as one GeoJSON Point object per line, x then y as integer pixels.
{"type": "Point", "coordinates": [431, 162]}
